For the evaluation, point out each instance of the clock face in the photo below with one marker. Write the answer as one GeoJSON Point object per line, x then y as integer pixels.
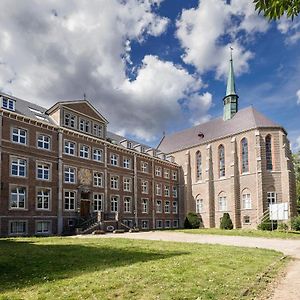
{"type": "Point", "coordinates": [85, 176]}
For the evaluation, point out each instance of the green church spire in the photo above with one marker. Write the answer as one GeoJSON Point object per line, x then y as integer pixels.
{"type": "Point", "coordinates": [231, 98]}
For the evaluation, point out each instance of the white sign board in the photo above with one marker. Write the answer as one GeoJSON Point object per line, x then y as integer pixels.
{"type": "Point", "coordinates": [279, 211]}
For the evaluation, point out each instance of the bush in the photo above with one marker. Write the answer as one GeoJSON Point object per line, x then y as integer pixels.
{"type": "Point", "coordinates": [226, 222]}
{"type": "Point", "coordinates": [267, 225]}
{"type": "Point", "coordinates": [283, 227]}
{"type": "Point", "coordinates": [295, 223]}
{"type": "Point", "coordinates": [192, 221]}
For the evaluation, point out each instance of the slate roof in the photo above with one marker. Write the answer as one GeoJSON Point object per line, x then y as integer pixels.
{"type": "Point", "coordinates": [243, 120]}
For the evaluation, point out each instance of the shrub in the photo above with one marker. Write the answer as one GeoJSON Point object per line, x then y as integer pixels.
{"type": "Point", "coordinates": [295, 223]}
{"type": "Point", "coordinates": [192, 221]}
{"type": "Point", "coordinates": [266, 224]}
{"type": "Point", "coordinates": [283, 227]}
{"type": "Point", "coordinates": [226, 222]}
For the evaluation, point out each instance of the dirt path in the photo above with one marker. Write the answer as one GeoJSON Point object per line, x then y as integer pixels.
{"type": "Point", "coordinates": [288, 287]}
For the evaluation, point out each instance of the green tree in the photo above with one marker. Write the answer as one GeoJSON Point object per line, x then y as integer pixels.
{"type": "Point", "coordinates": [192, 220]}
{"type": "Point", "coordinates": [226, 222]}
{"type": "Point", "coordinates": [274, 9]}
{"type": "Point", "coordinates": [296, 159]}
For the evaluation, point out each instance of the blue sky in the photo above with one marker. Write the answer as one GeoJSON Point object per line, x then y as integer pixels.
{"type": "Point", "coordinates": [151, 65]}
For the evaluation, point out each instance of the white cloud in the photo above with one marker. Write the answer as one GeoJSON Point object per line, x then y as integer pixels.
{"type": "Point", "coordinates": [202, 29]}
{"type": "Point", "coordinates": [54, 50]}
{"type": "Point", "coordinates": [298, 97]}
{"type": "Point", "coordinates": [291, 29]}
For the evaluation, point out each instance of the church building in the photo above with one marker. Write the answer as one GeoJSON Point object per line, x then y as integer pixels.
{"type": "Point", "coordinates": [238, 164]}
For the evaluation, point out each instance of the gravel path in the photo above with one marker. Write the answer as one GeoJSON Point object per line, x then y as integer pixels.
{"type": "Point", "coordinates": [288, 287]}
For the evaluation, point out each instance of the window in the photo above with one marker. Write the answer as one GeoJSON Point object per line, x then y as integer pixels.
{"type": "Point", "coordinates": [97, 130]}
{"type": "Point", "coordinates": [8, 103]}
{"type": "Point", "coordinates": [271, 198]}
{"type": "Point", "coordinates": [247, 220]}
{"type": "Point", "coordinates": [43, 199]}
{"type": "Point", "coordinates": [175, 223]}
{"type": "Point", "coordinates": [245, 160]}
{"type": "Point", "coordinates": [158, 206]}
{"type": "Point", "coordinates": [19, 136]}
{"type": "Point", "coordinates": [114, 182]}
{"type": "Point", "coordinates": [69, 200]}
{"type": "Point", "coordinates": [144, 206]}
{"type": "Point", "coordinates": [167, 173]}
{"type": "Point", "coordinates": [43, 142]}
{"type": "Point", "coordinates": [269, 160]}
{"type": "Point", "coordinates": [175, 207]}
{"type": "Point", "coordinates": [70, 148]}
{"type": "Point", "coordinates": [18, 227]}
{"type": "Point", "coordinates": [18, 198]}
{"type": "Point", "coordinates": [129, 145]}
{"type": "Point", "coordinates": [167, 191]}
{"type": "Point", "coordinates": [114, 203]}
{"type": "Point", "coordinates": [126, 163]}
{"type": "Point", "coordinates": [167, 207]}
{"type": "Point", "coordinates": [198, 166]}
{"type": "Point", "coordinates": [97, 154]}
{"type": "Point", "coordinates": [43, 227]}
{"type": "Point", "coordinates": [159, 224]}
{"type": "Point", "coordinates": [114, 159]}
{"type": "Point", "coordinates": [43, 171]}
{"type": "Point", "coordinates": [246, 197]}
{"type": "Point", "coordinates": [145, 224]}
{"type": "Point", "coordinates": [199, 205]}
{"type": "Point", "coordinates": [221, 161]}
{"type": "Point", "coordinates": [18, 167]}
{"type": "Point", "coordinates": [144, 187]}
{"type": "Point", "coordinates": [98, 202]}
{"type": "Point", "coordinates": [144, 167]}
{"type": "Point", "coordinates": [98, 179]}
{"type": "Point", "coordinates": [167, 224]}
{"type": "Point", "coordinates": [174, 175]}
{"type": "Point", "coordinates": [158, 189]}
{"type": "Point", "coordinates": [84, 125]}
{"type": "Point", "coordinates": [127, 204]}
{"type": "Point", "coordinates": [70, 120]}
{"type": "Point", "coordinates": [70, 175]}
{"type": "Point", "coordinates": [84, 151]}
{"type": "Point", "coordinates": [158, 171]}
{"type": "Point", "coordinates": [174, 191]}
{"type": "Point", "coordinates": [127, 184]}
{"type": "Point", "coordinates": [222, 203]}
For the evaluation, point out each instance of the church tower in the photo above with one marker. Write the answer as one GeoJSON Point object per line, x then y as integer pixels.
{"type": "Point", "coordinates": [231, 99]}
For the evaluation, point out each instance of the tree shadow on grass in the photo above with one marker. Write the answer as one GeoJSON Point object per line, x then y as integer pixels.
{"type": "Point", "coordinates": [24, 263]}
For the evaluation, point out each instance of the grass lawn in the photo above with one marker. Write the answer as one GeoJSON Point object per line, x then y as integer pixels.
{"type": "Point", "coordinates": [67, 268]}
{"type": "Point", "coordinates": [245, 232]}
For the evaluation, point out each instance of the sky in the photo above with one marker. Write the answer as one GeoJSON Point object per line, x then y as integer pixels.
{"type": "Point", "coordinates": [151, 66]}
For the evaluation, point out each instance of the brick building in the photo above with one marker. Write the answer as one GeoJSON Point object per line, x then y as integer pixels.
{"type": "Point", "coordinates": [61, 169]}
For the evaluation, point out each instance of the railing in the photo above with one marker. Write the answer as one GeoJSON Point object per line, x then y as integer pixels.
{"type": "Point", "coordinates": [86, 224]}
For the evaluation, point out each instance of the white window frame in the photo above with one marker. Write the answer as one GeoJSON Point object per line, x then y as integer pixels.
{"type": "Point", "coordinates": [159, 224]}
{"type": "Point", "coordinates": [84, 151]}
{"type": "Point", "coordinates": [44, 140]}
{"type": "Point", "coordinates": [158, 206]}
{"type": "Point", "coordinates": [199, 205]}
{"type": "Point", "coordinates": [247, 203]}
{"type": "Point", "coordinates": [98, 202]}
{"type": "Point", "coordinates": [145, 224]}
{"type": "Point", "coordinates": [114, 159]}
{"type": "Point", "coordinates": [98, 179]}
{"type": "Point", "coordinates": [175, 207]}
{"type": "Point", "coordinates": [174, 175]}
{"type": "Point", "coordinates": [145, 187]}
{"type": "Point", "coordinates": [167, 207]}
{"type": "Point", "coordinates": [67, 145]}
{"type": "Point", "coordinates": [158, 171]}
{"type": "Point", "coordinates": [174, 191]}
{"type": "Point", "coordinates": [67, 170]}
{"type": "Point", "coordinates": [43, 231]}
{"type": "Point", "coordinates": [144, 167]}
{"type": "Point", "coordinates": [114, 182]}
{"type": "Point", "coordinates": [127, 204]}
{"type": "Point", "coordinates": [97, 130]}
{"type": "Point", "coordinates": [114, 203]}
{"type": "Point", "coordinates": [271, 197]}
{"type": "Point", "coordinates": [158, 189]}
{"type": "Point", "coordinates": [20, 134]}
{"type": "Point", "coordinates": [43, 171]}
{"type": "Point", "coordinates": [127, 183]}
{"type": "Point", "coordinates": [145, 205]}
{"type": "Point", "coordinates": [44, 198]}
{"type": "Point", "coordinates": [8, 103]}
{"type": "Point", "coordinates": [126, 163]}
{"type": "Point", "coordinates": [222, 202]}
{"type": "Point", "coordinates": [97, 154]}
{"type": "Point", "coordinates": [72, 120]}
{"type": "Point", "coordinates": [10, 222]}
{"type": "Point", "coordinates": [18, 197]}
{"type": "Point", "coordinates": [167, 191]}
{"type": "Point", "coordinates": [18, 163]}
{"type": "Point", "coordinates": [167, 173]}
{"type": "Point", "coordinates": [71, 200]}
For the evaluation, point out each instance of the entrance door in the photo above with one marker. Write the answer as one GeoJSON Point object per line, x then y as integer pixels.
{"type": "Point", "coordinates": [85, 208]}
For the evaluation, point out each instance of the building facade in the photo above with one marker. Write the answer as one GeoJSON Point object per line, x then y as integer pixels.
{"type": "Point", "coordinates": [238, 164]}
{"type": "Point", "coordinates": [60, 168]}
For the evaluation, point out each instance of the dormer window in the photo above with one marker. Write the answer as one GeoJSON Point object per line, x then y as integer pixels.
{"type": "Point", "coordinates": [143, 149]}
{"type": "Point", "coordinates": [8, 103]}
{"type": "Point", "coordinates": [97, 130]}
{"type": "Point", "coordinates": [69, 120]}
{"type": "Point", "coordinates": [84, 125]}
{"type": "Point", "coordinates": [129, 145]}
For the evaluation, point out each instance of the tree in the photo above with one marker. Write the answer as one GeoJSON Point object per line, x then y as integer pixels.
{"type": "Point", "coordinates": [192, 221]}
{"type": "Point", "coordinates": [274, 9]}
{"type": "Point", "coordinates": [226, 222]}
{"type": "Point", "coordinates": [296, 159]}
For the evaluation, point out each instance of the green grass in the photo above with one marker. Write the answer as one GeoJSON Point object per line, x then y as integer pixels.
{"type": "Point", "coordinates": [67, 268]}
{"type": "Point", "coordinates": [245, 232]}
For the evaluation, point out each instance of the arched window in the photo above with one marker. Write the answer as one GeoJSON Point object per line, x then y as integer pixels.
{"type": "Point", "coordinates": [199, 204]}
{"type": "Point", "coordinates": [246, 198]}
{"type": "Point", "coordinates": [269, 162]}
{"type": "Point", "coordinates": [245, 159]}
{"type": "Point", "coordinates": [221, 161]}
{"type": "Point", "coordinates": [222, 201]}
{"type": "Point", "coordinates": [198, 165]}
